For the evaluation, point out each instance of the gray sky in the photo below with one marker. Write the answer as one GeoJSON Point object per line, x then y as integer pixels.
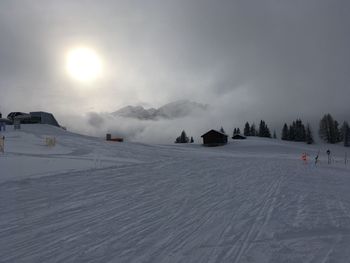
{"type": "Point", "coordinates": [249, 59]}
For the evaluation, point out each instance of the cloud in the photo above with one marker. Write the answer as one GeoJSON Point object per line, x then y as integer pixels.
{"type": "Point", "coordinates": [249, 60]}
{"type": "Point", "coordinates": [95, 119]}
{"type": "Point", "coordinates": [162, 130]}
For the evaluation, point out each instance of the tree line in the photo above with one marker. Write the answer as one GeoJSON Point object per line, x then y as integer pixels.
{"type": "Point", "coordinates": [329, 131]}
{"type": "Point", "coordinates": [250, 130]}
{"type": "Point", "coordinates": [297, 132]}
{"type": "Point", "coordinates": [183, 138]}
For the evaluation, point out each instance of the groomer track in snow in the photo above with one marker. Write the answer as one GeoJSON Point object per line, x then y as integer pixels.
{"type": "Point", "coordinates": [86, 200]}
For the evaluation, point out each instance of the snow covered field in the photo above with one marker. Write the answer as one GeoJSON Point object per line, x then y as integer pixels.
{"type": "Point", "coordinates": [87, 200]}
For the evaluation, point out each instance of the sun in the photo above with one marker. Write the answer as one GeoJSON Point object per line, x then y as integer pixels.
{"type": "Point", "coordinates": [83, 64]}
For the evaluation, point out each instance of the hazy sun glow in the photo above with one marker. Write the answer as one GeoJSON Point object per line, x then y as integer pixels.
{"type": "Point", "coordinates": [83, 64]}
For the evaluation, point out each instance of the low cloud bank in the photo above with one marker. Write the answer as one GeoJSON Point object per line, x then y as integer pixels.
{"type": "Point", "coordinates": [230, 110]}
{"type": "Point", "coordinates": [217, 114]}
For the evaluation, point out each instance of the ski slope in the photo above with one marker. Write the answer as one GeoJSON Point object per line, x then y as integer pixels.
{"type": "Point", "coordinates": [87, 200]}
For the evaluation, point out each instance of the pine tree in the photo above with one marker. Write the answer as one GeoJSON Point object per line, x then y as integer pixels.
{"type": "Point", "coordinates": [191, 141]}
{"type": "Point", "coordinates": [291, 136]}
{"type": "Point", "coordinates": [327, 130]}
{"type": "Point", "coordinates": [222, 130]}
{"type": "Point", "coordinates": [234, 131]}
{"type": "Point", "coordinates": [299, 131]}
{"type": "Point", "coordinates": [337, 132]}
{"type": "Point", "coordinates": [246, 130]}
{"type": "Point", "coordinates": [285, 132]}
{"type": "Point", "coordinates": [346, 134]}
{"type": "Point", "coordinates": [238, 131]}
{"type": "Point", "coordinates": [341, 133]}
{"type": "Point", "coordinates": [267, 132]}
{"type": "Point", "coordinates": [253, 131]}
{"type": "Point", "coordinates": [261, 129]}
{"type": "Point", "coordinates": [264, 131]}
{"type": "Point", "coordinates": [308, 136]}
{"type": "Point", "coordinates": [182, 138]}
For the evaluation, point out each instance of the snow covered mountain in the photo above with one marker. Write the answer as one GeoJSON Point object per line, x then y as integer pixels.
{"type": "Point", "coordinates": [173, 110]}
{"type": "Point", "coordinates": [136, 112]}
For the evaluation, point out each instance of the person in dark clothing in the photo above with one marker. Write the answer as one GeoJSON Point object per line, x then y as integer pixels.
{"type": "Point", "coordinates": [329, 156]}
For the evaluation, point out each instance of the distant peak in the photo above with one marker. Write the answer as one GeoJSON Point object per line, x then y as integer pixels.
{"type": "Point", "coordinates": [172, 110]}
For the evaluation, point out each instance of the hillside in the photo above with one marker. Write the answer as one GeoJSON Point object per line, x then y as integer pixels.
{"type": "Point", "coordinates": [87, 200]}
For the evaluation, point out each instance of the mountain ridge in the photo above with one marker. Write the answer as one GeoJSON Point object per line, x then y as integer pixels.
{"type": "Point", "coordinates": [172, 110]}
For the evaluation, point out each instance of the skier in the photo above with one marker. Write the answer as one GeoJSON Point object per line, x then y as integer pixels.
{"type": "Point", "coordinates": [304, 157]}
{"type": "Point", "coordinates": [316, 159]}
{"type": "Point", "coordinates": [329, 156]}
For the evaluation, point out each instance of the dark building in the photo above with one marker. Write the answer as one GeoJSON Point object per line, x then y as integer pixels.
{"type": "Point", "coordinates": [113, 139]}
{"type": "Point", "coordinates": [238, 137]}
{"type": "Point", "coordinates": [33, 117]}
{"type": "Point", "coordinates": [5, 121]}
{"type": "Point", "coordinates": [43, 118]}
{"type": "Point", "coordinates": [17, 115]}
{"type": "Point", "coordinates": [214, 138]}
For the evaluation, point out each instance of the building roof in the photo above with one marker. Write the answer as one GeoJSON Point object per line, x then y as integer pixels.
{"type": "Point", "coordinates": [238, 136]}
{"type": "Point", "coordinates": [215, 131]}
{"type": "Point", "coordinates": [5, 120]}
{"type": "Point", "coordinates": [39, 112]}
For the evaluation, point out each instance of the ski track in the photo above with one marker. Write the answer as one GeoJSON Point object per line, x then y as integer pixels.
{"type": "Point", "coordinates": [179, 205]}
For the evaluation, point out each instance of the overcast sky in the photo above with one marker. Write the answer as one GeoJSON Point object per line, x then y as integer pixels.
{"type": "Point", "coordinates": [248, 59]}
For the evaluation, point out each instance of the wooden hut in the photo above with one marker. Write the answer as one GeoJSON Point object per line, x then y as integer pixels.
{"type": "Point", "coordinates": [214, 138]}
{"type": "Point", "coordinates": [238, 137]}
{"type": "Point", "coordinates": [113, 139]}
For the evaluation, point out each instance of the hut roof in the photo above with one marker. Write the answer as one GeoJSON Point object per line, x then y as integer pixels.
{"type": "Point", "coordinates": [214, 131]}
{"type": "Point", "coordinates": [238, 136]}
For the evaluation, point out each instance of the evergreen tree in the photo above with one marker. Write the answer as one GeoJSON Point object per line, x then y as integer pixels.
{"type": "Point", "coordinates": [267, 132]}
{"type": "Point", "coordinates": [341, 133]}
{"type": "Point", "coordinates": [337, 132]}
{"type": "Point", "coordinates": [264, 131]}
{"type": "Point", "coordinates": [246, 130]}
{"type": "Point", "coordinates": [191, 141]}
{"type": "Point", "coordinates": [253, 131]}
{"type": "Point", "coordinates": [238, 131]}
{"type": "Point", "coordinates": [285, 132]}
{"type": "Point", "coordinates": [261, 129]}
{"type": "Point", "coordinates": [234, 131]}
{"type": "Point", "coordinates": [346, 134]}
{"type": "Point", "coordinates": [182, 138]}
{"type": "Point", "coordinates": [299, 131]}
{"type": "Point", "coordinates": [291, 136]}
{"type": "Point", "coordinates": [222, 130]}
{"type": "Point", "coordinates": [327, 130]}
{"type": "Point", "coordinates": [308, 135]}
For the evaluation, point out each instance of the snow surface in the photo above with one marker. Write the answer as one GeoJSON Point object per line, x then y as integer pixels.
{"type": "Point", "coordinates": [87, 200]}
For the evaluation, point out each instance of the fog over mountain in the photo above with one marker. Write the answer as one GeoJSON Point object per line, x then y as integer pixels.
{"type": "Point", "coordinates": [249, 60]}
{"type": "Point", "coordinates": [173, 110]}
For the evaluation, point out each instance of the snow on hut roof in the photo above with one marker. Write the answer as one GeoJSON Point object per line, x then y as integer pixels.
{"type": "Point", "coordinates": [212, 130]}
